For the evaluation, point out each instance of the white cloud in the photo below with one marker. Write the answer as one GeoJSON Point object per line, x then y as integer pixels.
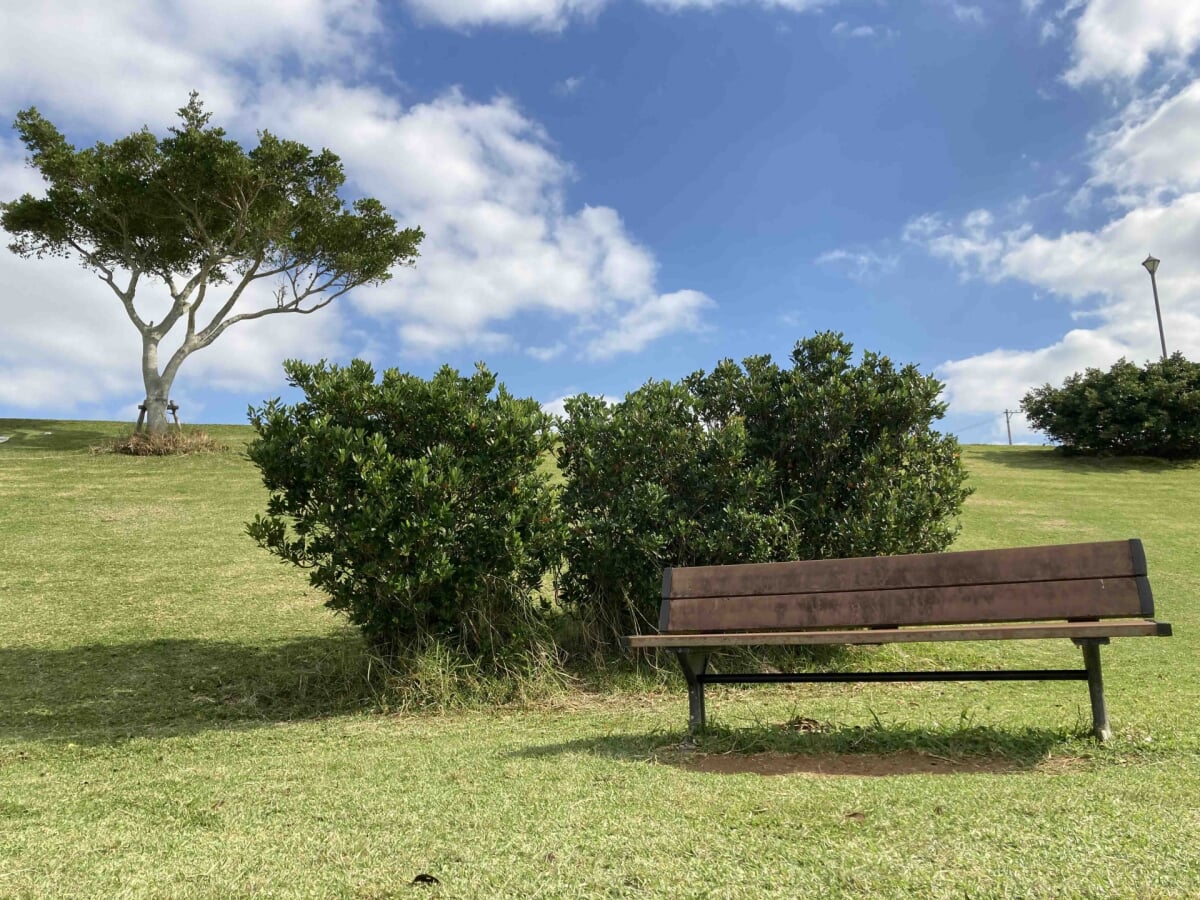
{"type": "Point", "coordinates": [859, 265]}
{"type": "Point", "coordinates": [846, 30]}
{"type": "Point", "coordinates": [998, 379]}
{"type": "Point", "coordinates": [123, 63]}
{"type": "Point", "coordinates": [558, 406]}
{"type": "Point", "coordinates": [649, 320]}
{"type": "Point", "coordinates": [971, 245]}
{"type": "Point", "coordinates": [481, 180]}
{"type": "Point", "coordinates": [547, 15]}
{"type": "Point", "coordinates": [555, 15]}
{"type": "Point", "coordinates": [57, 349]}
{"type": "Point", "coordinates": [790, 5]}
{"type": "Point", "coordinates": [568, 86]}
{"type": "Point", "coordinates": [1119, 39]}
{"type": "Point", "coordinates": [966, 13]}
{"type": "Point", "coordinates": [1154, 145]}
{"type": "Point", "coordinates": [546, 354]}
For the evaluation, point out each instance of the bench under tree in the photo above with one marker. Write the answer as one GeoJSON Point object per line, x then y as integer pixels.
{"type": "Point", "coordinates": [1089, 593]}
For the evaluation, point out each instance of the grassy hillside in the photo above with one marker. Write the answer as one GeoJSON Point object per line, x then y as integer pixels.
{"type": "Point", "coordinates": [179, 715]}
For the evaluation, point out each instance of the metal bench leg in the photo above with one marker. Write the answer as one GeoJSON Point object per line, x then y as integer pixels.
{"type": "Point", "coordinates": [694, 664]}
{"type": "Point", "coordinates": [1091, 662]}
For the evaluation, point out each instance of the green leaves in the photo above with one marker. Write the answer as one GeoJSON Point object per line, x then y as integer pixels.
{"type": "Point", "coordinates": [421, 509]}
{"type": "Point", "coordinates": [418, 505]}
{"type": "Point", "coordinates": [751, 463]}
{"type": "Point", "coordinates": [1126, 411]}
{"type": "Point", "coordinates": [196, 198]}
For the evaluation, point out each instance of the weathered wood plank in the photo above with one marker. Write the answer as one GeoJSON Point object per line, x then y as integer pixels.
{"type": "Point", "coordinates": [1060, 562]}
{"type": "Point", "coordinates": [1099, 598]}
{"type": "Point", "coordinates": [1136, 628]}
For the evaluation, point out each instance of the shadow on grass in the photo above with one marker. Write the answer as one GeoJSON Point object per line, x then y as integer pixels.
{"type": "Point", "coordinates": [108, 693]}
{"type": "Point", "coordinates": [820, 749]}
{"type": "Point", "coordinates": [1051, 459]}
{"type": "Point", "coordinates": [31, 434]}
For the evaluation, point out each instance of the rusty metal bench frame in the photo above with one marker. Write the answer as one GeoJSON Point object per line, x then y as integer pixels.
{"type": "Point", "coordinates": [1089, 593]}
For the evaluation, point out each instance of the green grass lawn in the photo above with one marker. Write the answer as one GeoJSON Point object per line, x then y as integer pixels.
{"type": "Point", "coordinates": [180, 715]}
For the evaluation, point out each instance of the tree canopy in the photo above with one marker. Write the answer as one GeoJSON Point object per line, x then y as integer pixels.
{"type": "Point", "coordinates": [197, 212]}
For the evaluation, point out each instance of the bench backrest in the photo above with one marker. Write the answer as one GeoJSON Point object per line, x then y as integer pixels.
{"type": "Point", "coordinates": [1065, 581]}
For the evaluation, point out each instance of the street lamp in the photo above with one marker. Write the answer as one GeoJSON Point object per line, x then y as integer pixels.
{"type": "Point", "coordinates": [1151, 265]}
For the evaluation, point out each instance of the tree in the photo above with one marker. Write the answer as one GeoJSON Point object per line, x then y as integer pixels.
{"type": "Point", "coordinates": [196, 212]}
{"type": "Point", "coordinates": [1126, 411]}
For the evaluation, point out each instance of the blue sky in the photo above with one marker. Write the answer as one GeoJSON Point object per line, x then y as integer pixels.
{"type": "Point", "coordinates": [633, 189]}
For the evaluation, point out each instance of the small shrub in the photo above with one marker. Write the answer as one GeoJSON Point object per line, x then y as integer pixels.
{"type": "Point", "coordinates": [417, 505]}
{"type": "Point", "coordinates": [168, 443]}
{"type": "Point", "coordinates": [1126, 411]}
{"type": "Point", "coordinates": [751, 463]}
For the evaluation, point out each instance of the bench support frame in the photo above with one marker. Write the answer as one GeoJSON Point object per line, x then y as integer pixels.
{"type": "Point", "coordinates": [695, 666]}
{"type": "Point", "coordinates": [1095, 680]}
{"type": "Point", "coordinates": [694, 663]}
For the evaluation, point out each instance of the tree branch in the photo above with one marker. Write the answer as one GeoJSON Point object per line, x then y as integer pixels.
{"type": "Point", "coordinates": [205, 338]}
{"type": "Point", "coordinates": [191, 321]}
{"type": "Point", "coordinates": [214, 323]}
{"type": "Point", "coordinates": [107, 276]}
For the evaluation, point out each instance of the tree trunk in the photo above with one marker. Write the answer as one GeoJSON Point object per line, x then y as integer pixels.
{"type": "Point", "coordinates": [157, 387]}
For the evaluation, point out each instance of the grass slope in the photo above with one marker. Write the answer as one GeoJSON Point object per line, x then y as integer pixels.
{"type": "Point", "coordinates": [180, 716]}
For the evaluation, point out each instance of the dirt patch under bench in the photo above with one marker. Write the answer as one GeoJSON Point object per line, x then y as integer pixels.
{"type": "Point", "coordinates": [862, 765]}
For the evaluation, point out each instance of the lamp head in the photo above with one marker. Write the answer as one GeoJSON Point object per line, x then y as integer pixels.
{"type": "Point", "coordinates": [1151, 264]}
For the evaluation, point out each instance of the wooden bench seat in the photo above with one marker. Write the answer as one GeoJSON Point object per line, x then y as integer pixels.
{"type": "Point", "coordinates": [1088, 593]}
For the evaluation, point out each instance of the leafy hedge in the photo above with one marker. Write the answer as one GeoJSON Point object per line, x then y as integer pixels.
{"type": "Point", "coordinates": [1126, 411]}
{"type": "Point", "coordinates": [420, 507]}
{"type": "Point", "coordinates": [423, 511]}
{"type": "Point", "coordinates": [751, 463]}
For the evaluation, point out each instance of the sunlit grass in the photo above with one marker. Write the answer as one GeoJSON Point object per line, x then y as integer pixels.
{"type": "Point", "coordinates": [180, 715]}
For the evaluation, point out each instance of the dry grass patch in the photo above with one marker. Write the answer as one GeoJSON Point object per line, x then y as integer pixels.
{"type": "Point", "coordinates": [169, 443]}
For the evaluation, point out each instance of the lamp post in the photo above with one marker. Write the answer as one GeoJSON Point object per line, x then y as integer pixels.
{"type": "Point", "coordinates": [1151, 265]}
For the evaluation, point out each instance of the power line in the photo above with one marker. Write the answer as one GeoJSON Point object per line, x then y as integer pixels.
{"type": "Point", "coordinates": [990, 420]}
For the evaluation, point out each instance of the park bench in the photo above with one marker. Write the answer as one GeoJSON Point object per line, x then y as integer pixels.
{"type": "Point", "coordinates": [1088, 593]}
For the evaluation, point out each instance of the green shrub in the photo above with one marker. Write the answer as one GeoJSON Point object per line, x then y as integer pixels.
{"type": "Point", "coordinates": [648, 484]}
{"type": "Point", "coordinates": [852, 448]}
{"type": "Point", "coordinates": [1126, 411]}
{"type": "Point", "coordinates": [751, 463]}
{"type": "Point", "coordinates": [417, 505]}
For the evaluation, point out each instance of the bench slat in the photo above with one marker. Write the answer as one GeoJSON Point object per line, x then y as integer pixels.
{"type": "Point", "coordinates": [1060, 562]}
{"type": "Point", "coordinates": [906, 635]}
{"type": "Point", "coordinates": [1098, 598]}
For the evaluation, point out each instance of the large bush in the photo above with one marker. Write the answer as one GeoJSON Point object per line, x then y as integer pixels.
{"type": "Point", "coordinates": [647, 484]}
{"type": "Point", "coordinates": [1126, 411]}
{"type": "Point", "coordinates": [752, 463]}
{"type": "Point", "coordinates": [852, 447]}
{"type": "Point", "coordinates": [419, 507]}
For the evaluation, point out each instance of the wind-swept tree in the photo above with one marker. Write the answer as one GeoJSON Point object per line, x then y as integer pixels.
{"type": "Point", "coordinates": [198, 214]}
